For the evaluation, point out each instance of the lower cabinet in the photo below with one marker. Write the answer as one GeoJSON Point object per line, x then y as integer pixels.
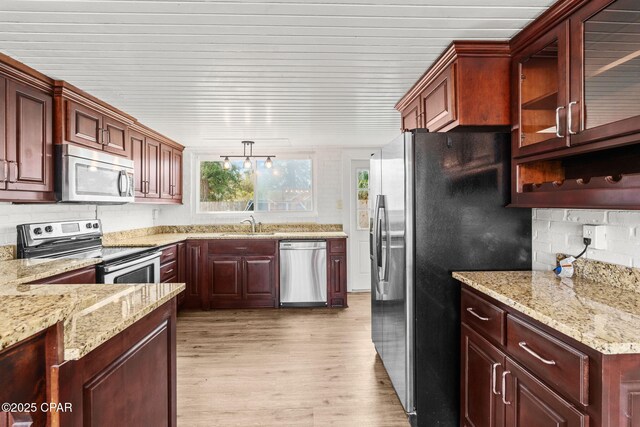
{"type": "Point", "coordinates": [83, 276]}
{"type": "Point", "coordinates": [528, 399]}
{"type": "Point", "coordinates": [244, 273]}
{"type": "Point", "coordinates": [172, 266]}
{"type": "Point", "coordinates": [194, 274]}
{"type": "Point", "coordinates": [527, 374]}
{"type": "Point", "coordinates": [482, 365]}
{"type": "Point", "coordinates": [242, 281]}
{"type": "Point", "coordinates": [129, 380]}
{"type": "Point", "coordinates": [337, 272]}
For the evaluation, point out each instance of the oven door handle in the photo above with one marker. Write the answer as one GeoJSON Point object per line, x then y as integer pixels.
{"type": "Point", "coordinates": [116, 267]}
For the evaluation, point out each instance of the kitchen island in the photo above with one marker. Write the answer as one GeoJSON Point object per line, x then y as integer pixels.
{"type": "Point", "coordinates": [98, 355]}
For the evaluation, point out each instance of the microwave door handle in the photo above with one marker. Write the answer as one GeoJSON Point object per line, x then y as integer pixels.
{"type": "Point", "coordinates": [123, 180]}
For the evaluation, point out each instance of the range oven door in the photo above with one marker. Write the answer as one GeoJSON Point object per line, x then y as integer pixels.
{"type": "Point", "coordinates": [92, 176]}
{"type": "Point", "coordinates": [142, 269]}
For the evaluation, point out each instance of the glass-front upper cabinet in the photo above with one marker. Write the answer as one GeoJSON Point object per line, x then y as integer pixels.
{"type": "Point", "coordinates": [605, 71]}
{"type": "Point", "coordinates": [542, 94]}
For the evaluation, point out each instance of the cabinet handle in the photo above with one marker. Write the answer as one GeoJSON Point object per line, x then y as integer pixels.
{"type": "Point", "coordinates": [558, 134]}
{"type": "Point", "coordinates": [504, 387]}
{"type": "Point", "coordinates": [523, 345]}
{"type": "Point", "coordinates": [243, 248]}
{"type": "Point", "coordinates": [494, 371]}
{"type": "Point", "coordinates": [470, 310]}
{"type": "Point", "coordinates": [168, 271]}
{"type": "Point", "coordinates": [107, 140]}
{"type": "Point", "coordinates": [5, 170]}
{"type": "Point", "coordinates": [569, 118]}
{"type": "Point", "coordinates": [15, 164]}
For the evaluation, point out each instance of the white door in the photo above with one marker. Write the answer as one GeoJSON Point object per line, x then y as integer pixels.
{"type": "Point", "coordinates": [359, 263]}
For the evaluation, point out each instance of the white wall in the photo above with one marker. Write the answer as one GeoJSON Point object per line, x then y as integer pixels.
{"type": "Point", "coordinates": [328, 186]}
{"type": "Point", "coordinates": [114, 218]}
{"type": "Point", "coordinates": [560, 231]}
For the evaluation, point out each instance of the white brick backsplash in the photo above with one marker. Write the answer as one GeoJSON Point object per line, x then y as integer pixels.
{"type": "Point", "coordinates": [586, 216]}
{"type": "Point", "coordinates": [560, 231]}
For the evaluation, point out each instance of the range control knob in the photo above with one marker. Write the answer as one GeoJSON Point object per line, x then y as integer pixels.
{"type": "Point", "coordinates": [88, 225]}
{"type": "Point", "coordinates": [48, 229]}
{"type": "Point", "coordinates": [95, 225]}
{"type": "Point", "coordinates": [37, 230]}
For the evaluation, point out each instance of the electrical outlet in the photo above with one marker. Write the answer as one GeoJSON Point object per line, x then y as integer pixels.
{"type": "Point", "coordinates": [597, 234]}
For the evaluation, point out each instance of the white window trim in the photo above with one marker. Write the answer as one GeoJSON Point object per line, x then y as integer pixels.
{"type": "Point", "coordinates": [197, 158]}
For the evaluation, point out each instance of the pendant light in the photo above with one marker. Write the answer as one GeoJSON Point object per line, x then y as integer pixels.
{"type": "Point", "coordinates": [247, 157]}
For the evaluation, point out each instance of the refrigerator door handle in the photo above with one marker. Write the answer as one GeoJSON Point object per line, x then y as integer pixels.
{"type": "Point", "coordinates": [384, 265]}
{"type": "Point", "coordinates": [376, 255]}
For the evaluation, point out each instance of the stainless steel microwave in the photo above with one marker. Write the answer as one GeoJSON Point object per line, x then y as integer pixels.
{"type": "Point", "coordinates": [89, 176]}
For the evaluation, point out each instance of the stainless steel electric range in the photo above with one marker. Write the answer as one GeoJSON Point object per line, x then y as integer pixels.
{"type": "Point", "coordinates": [83, 239]}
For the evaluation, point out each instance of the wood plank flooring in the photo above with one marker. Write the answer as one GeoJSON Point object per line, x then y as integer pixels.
{"type": "Point", "coordinates": [287, 367]}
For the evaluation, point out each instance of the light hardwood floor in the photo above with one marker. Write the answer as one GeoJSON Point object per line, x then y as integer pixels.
{"type": "Point", "coordinates": [287, 367]}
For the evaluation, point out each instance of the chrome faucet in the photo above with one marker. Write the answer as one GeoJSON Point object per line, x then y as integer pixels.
{"type": "Point", "coordinates": [251, 220]}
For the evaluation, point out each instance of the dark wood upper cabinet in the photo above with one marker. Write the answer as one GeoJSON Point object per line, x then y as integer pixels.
{"type": "Point", "coordinates": [576, 122]}
{"type": "Point", "coordinates": [605, 67]}
{"type": "Point", "coordinates": [138, 155]}
{"type": "Point", "coordinates": [176, 174]}
{"type": "Point", "coordinates": [467, 86]}
{"type": "Point", "coordinates": [158, 166]}
{"type": "Point", "coordinates": [29, 140]}
{"type": "Point", "coordinates": [152, 167]}
{"type": "Point", "coordinates": [540, 74]}
{"type": "Point", "coordinates": [115, 137]}
{"type": "Point", "coordinates": [4, 162]}
{"type": "Point", "coordinates": [85, 120]}
{"type": "Point", "coordinates": [166, 177]}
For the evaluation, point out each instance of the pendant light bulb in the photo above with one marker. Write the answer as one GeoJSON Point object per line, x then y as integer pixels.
{"type": "Point", "coordinates": [247, 163]}
{"type": "Point", "coordinates": [268, 163]}
{"type": "Point", "coordinates": [226, 164]}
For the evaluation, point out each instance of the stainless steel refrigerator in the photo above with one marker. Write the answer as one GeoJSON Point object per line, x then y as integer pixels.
{"type": "Point", "coordinates": [437, 205]}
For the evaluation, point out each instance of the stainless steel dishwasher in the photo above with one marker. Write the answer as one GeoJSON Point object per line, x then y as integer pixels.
{"type": "Point", "coordinates": [303, 273]}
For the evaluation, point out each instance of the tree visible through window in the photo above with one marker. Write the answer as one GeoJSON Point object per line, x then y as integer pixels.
{"type": "Point", "coordinates": [285, 187]}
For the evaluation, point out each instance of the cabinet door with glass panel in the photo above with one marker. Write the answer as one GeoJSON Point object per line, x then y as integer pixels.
{"type": "Point", "coordinates": [605, 71]}
{"type": "Point", "coordinates": [541, 72]}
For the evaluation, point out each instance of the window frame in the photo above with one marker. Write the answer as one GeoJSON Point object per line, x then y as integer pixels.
{"type": "Point", "coordinates": [198, 158]}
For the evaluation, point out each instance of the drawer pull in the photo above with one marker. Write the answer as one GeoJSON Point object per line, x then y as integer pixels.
{"type": "Point", "coordinates": [168, 271]}
{"type": "Point", "coordinates": [241, 248]}
{"type": "Point", "coordinates": [504, 387]}
{"type": "Point", "coordinates": [523, 345]}
{"type": "Point", "coordinates": [494, 371]}
{"type": "Point", "coordinates": [484, 319]}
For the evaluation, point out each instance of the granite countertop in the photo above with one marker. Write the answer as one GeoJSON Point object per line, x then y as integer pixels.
{"type": "Point", "coordinates": [162, 239]}
{"type": "Point", "coordinates": [92, 314]}
{"type": "Point", "coordinates": [595, 313]}
{"type": "Point", "coordinates": [18, 271]}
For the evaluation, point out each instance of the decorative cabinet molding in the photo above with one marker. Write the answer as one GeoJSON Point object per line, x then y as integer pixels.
{"type": "Point", "coordinates": [467, 86]}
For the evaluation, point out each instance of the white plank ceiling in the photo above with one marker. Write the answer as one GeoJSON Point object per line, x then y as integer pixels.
{"type": "Point", "coordinates": [287, 72]}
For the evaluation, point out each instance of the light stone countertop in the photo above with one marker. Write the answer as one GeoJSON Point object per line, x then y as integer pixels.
{"type": "Point", "coordinates": [597, 314]}
{"type": "Point", "coordinates": [92, 314]}
{"type": "Point", "coordinates": [162, 239]}
{"type": "Point", "coordinates": [18, 271]}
